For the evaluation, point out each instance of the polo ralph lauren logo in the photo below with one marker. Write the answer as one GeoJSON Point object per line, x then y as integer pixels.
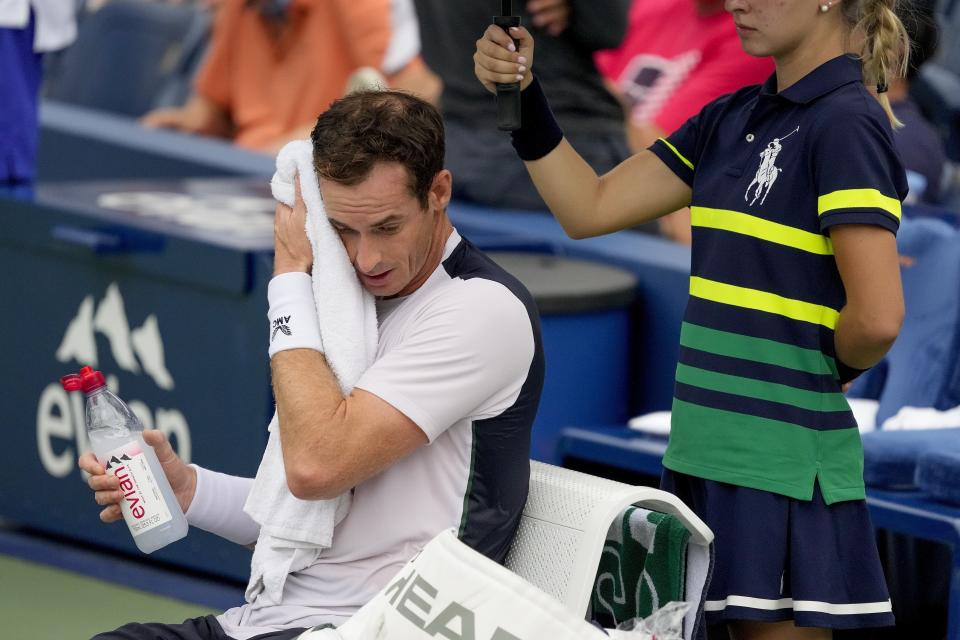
{"type": "Point", "coordinates": [768, 171]}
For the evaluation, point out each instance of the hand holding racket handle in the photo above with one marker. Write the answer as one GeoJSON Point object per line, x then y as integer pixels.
{"type": "Point", "coordinates": [508, 95]}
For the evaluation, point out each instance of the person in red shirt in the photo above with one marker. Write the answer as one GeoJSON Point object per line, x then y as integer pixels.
{"type": "Point", "coordinates": [677, 56]}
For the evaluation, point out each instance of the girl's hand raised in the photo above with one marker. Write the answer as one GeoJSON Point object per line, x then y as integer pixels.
{"type": "Point", "coordinates": [497, 60]}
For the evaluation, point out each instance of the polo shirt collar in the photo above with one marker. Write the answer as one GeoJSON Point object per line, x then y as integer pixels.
{"type": "Point", "coordinates": [822, 80]}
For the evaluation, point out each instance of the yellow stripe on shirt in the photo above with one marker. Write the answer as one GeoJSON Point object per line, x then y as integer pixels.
{"type": "Point", "coordinates": [858, 199]}
{"type": "Point", "coordinates": [678, 154]}
{"type": "Point", "coordinates": [762, 301]}
{"type": "Point", "coordinates": [745, 224]}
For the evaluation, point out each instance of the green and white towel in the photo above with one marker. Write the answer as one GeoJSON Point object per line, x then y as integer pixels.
{"type": "Point", "coordinates": [642, 567]}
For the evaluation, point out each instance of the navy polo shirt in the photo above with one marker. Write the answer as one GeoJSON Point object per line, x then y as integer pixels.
{"type": "Point", "coordinates": [757, 401]}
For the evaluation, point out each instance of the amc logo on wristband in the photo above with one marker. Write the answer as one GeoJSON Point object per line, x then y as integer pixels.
{"type": "Point", "coordinates": [281, 324]}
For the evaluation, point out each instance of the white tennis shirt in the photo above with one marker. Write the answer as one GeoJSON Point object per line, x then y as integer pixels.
{"type": "Point", "coordinates": [461, 357]}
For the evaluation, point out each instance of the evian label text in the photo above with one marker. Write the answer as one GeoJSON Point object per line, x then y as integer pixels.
{"type": "Point", "coordinates": [142, 505]}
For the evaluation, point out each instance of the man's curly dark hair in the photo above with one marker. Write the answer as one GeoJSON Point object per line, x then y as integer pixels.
{"type": "Point", "coordinates": [367, 127]}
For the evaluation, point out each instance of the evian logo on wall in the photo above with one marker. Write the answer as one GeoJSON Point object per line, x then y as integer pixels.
{"type": "Point", "coordinates": [60, 416]}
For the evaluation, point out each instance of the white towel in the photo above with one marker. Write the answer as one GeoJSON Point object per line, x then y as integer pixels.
{"type": "Point", "coordinates": [293, 532]}
{"type": "Point", "coordinates": [865, 413]}
{"type": "Point", "coordinates": [656, 423]}
{"type": "Point", "coordinates": [922, 418]}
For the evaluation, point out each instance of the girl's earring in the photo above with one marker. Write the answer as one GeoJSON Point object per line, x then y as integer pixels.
{"type": "Point", "coordinates": [824, 7]}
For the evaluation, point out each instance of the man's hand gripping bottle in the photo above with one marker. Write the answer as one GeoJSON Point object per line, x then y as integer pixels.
{"type": "Point", "coordinates": [149, 506]}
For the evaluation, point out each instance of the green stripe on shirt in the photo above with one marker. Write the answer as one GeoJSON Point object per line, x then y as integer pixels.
{"type": "Point", "coordinates": [734, 345]}
{"type": "Point", "coordinates": [765, 454]}
{"type": "Point", "coordinates": [761, 390]}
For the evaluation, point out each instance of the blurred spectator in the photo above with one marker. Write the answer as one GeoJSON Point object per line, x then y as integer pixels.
{"type": "Point", "coordinates": [677, 56]}
{"type": "Point", "coordinates": [90, 6]}
{"type": "Point", "coordinates": [28, 28]}
{"type": "Point", "coordinates": [274, 65]}
{"type": "Point", "coordinates": [920, 145]}
{"type": "Point", "coordinates": [568, 32]}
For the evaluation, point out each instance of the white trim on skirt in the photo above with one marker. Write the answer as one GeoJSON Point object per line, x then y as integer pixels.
{"type": "Point", "coordinates": [799, 605]}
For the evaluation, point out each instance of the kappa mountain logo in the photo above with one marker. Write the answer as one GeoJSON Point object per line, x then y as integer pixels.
{"type": "Point", "coordinates": [61, 433]}
{"type": "Point", "coordinates": [131, 349]}
{"type": "Point", "coordinates": [768, 171]}
{"type": "Point", "coordinates": [281, 324]}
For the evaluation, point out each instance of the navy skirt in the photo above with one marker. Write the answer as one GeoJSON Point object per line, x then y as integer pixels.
{"type": "Point", "coordinates": [777, 558]}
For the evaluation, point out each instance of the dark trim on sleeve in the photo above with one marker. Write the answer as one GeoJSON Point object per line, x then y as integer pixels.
{"type": "Point", "coordinates": [673, 162]}
{"type": "Point", "coordinates": [846, 373]}
{"type": "Point", "coordinates": [876, 217]}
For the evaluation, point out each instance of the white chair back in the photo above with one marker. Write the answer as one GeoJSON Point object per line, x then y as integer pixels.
{"type": "Point", "coordinates": [564, 526]}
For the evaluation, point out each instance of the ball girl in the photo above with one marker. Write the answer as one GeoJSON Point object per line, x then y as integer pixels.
{"type": "Point", "coordinates": [794, 189]}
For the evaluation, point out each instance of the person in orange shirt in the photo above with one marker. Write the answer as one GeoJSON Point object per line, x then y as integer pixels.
{"type": "Point", "coordinates": [275, 65]}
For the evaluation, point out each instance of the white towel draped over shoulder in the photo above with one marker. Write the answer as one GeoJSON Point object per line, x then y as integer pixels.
{"type": "Point", "coordinates": [294, 532]}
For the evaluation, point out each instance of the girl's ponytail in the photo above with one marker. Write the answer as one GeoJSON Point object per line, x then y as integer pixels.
{"type": "Point", "coordinates": [886, 48]}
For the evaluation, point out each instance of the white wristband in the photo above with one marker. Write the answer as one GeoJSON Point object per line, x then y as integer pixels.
{"type": "Point", "coordinates": [293, 314]}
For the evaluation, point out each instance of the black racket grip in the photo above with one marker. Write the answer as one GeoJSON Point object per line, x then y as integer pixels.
{"type": "Point", "coordinates": [508, 95]}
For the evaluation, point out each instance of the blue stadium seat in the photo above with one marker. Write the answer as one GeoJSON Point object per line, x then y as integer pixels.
{"type": "Point", "coordinates": [921, 368]}
{"type": "Point", "coordinates": [891, 457]}
{"type": "Point", "coordinates": [937, 87]}
{"type": "Point", "coordinates": [179, 84]}
{"type": "Point", "coordinates": [126, 54]}
{"type": "Point", "coordinates": [938, 473]}
{"type": "Point", "coordinates": [948, 53]}
{"type": "Point", "coordinates": [936, 90]}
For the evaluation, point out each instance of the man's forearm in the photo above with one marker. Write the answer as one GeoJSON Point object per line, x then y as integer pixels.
{"type": "Point", "coordinates": [312, 411]}
{"type": "Point", "coordinates": [861, 341]}
{"type": "Point", "coordinates": [869, 322]}
{"type": "Point", "coordinates": [310, 405]}
{"type": "Point", "coordinates": [329, 443]}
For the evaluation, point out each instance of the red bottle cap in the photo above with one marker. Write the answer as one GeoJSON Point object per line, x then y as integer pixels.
{"type": "Point", "coordinates": [87, 380]}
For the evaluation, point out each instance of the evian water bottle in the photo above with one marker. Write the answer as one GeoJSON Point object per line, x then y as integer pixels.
{"type": "Point", "coordinates": [149, 507]}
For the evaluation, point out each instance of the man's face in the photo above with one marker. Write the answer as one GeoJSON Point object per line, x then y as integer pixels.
{"type": "Point", "coordinates": [386, 232]}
